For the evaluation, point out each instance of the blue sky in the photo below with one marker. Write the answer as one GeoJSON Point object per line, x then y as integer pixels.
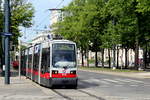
{"type": "Point", "coordinates": [42, 16]}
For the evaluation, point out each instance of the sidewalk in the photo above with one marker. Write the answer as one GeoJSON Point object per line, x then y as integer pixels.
{"type": "Point", "coordinates": [25, 89]}
{"type": "Point", "coordinates": [142, 75]}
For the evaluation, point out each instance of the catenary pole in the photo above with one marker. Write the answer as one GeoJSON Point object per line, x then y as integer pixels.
{"type": "Point", "coordinates": [7, 36]}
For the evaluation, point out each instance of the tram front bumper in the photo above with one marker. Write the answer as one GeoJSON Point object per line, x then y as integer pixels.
{"type": "Point", "coordinates": [64, 81]}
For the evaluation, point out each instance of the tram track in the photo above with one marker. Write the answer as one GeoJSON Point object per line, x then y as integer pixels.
{"type": "Point", "coordinates": [91, 95]}
{"type": "Point", "coordinates": [65, 96]}
{"type": "Point", "coordinates": [79, 90]}
{"type": "Point", "coordinates": [62, 95]}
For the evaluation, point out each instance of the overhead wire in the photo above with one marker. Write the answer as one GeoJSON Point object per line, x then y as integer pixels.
{"type": "Point", "coordinates": [43, 20]}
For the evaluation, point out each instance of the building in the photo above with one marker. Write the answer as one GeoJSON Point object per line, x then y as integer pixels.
{"type": "Point", "coordinates": [56, 15]}
{"type": "Point", "coordinates": [43, 36]}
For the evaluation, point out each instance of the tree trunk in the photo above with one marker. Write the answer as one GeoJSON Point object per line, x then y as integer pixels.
{"type": "Point", "coordinates": [87, 52]}
{"type": "Point", "coordinates": [117, 57]}
{"type": "Point", "coordinates": [137, 42]}
{"type": "Point", "coordinates": [122, 59]}
{"type": "Point", "coordinates": [102, 57]}
{"type": "Point", "coordinates": [114, 56]}
{"type": "Point", "coordinates": [149, 57]}
{"type": "Point", "coordinates": [126, 58]}
{"type": "Point", "coordinates": [82, 57]}
{"type": "Point", "coordinates": [0, 61]}
{"type": "Point", "coordinates": [109, 58]}
{"type": "Point", "coordinates": [96, 60]}
{"type": "Point", "coordinates": [136, 56]}
{"type": "Point", "coordinates": [145, 58]}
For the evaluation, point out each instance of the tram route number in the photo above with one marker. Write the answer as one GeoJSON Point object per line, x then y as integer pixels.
{"type": "Point", "coordinates": [64, 73]}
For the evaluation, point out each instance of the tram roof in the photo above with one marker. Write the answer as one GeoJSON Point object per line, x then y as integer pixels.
{"type": "Point", "coordinates": [54, 41]}
{"type": "Point", "coordinates": [62, 41]}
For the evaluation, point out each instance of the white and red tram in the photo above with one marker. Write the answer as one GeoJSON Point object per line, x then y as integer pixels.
{"type": "Point", "coordinates": [51, 63]}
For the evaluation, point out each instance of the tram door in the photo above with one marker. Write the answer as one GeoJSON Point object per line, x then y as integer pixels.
{"type": "Point", "coordinates": [26, 62]}
{"type": "Point", "coordinates": [36, 60]}
{"type": "Point", "coordinates": [30, 62]}
{"type": "Point", "coordinates": [22, 61]}
{"type": "Point", "coordinates": [45, 64]}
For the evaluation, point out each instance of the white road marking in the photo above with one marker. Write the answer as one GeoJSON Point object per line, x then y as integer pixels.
{"type": "Point", "coordinates": [123, 80]}
{"type": "Point", "coordinates": [134, 85]}
{"type": "Point", "coordinates": [104, 82]}
{"type": "Point", "coordinates": [131, 80]}
{"type": "Point", "coordinates": [94, 80]}
{"type": "Point", "coordinates": [109, 80]}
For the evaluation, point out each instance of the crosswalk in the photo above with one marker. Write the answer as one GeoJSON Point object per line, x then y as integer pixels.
{"type": "Point", "coordinates": [116, 82]}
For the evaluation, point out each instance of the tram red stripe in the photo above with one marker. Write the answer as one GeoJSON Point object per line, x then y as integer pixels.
{"type": "Point", "coordinates": [62, 75]}
{"type": "Point", "coordinates": [47, 75]}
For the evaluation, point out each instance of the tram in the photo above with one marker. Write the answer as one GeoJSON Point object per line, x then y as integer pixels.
{"type": "Point", "coordinates": [51, 63]}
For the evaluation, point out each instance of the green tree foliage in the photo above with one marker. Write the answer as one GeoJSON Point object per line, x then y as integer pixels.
{"type": "Point", "coordinates": [21, 16]}
{"type": "Point", "coordinates": [97, 24]}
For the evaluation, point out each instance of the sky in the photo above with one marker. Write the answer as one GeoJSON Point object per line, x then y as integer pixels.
{"type": "Point", "coordinates": [41, 20]}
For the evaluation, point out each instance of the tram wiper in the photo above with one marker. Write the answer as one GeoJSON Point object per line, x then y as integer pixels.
{"type": "Point", "coordinates": [65, 67]}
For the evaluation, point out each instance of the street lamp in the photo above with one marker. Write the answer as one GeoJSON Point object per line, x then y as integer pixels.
{"type": "Point", "coordinates": [7, 37]}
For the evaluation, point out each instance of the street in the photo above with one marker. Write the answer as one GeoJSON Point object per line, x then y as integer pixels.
{"type": "Point", "coordinates": [111, 87]}
{"type": "Point", "coordinates": [96, 86]}
{"type": "Point", "coordinates": [91, 86]}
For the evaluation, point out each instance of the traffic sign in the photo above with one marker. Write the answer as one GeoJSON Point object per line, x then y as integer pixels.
{"type": "Point", "coordinates": [6, 34]}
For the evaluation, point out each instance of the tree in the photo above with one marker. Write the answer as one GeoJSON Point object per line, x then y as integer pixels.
{"type": "Point", "coordinates": [21, 15]}
{"type": "Point", "coordinates": [99, 24]}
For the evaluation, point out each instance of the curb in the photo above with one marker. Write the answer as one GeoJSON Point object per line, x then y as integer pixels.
{"type": "Point", "coordinates": [140, 75]}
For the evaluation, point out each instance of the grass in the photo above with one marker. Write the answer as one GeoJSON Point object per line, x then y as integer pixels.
{"type": "Point", "coordinates": [108, 69]}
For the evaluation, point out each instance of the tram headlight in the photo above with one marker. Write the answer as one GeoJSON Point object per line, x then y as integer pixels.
{"type": "Point", "coordinates": [54, 72]}
{"type": "Point", "coordinates": [73, 72]}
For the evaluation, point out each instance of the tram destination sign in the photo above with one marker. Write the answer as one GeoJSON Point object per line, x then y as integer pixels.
{"type": "Point", "coordinates": [63, 47]}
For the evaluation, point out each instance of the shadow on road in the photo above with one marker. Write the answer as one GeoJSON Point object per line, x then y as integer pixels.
{"type": "Point", "coordinates": [81, 85]}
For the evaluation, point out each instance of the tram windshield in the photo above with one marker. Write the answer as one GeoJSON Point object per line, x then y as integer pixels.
{"type": "Point", "coordinates": [63, 55]}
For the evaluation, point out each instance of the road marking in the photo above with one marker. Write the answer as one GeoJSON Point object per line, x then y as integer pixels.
{"type": "Point", "coordinates": [109, 80]}
{"type": "Point", "coordinates": [134, 85]}
{"type": "Point", "coordinates": [131, 80]}
{"type": "Point", "coordinates": [94, 80]}
{"type": "Point", "coordinates": [123, 80]}
{"type": "Point", "coordinates": [104, 82]}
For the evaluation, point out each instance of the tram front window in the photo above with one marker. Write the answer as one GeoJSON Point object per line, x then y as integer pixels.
{"type": "Point", "coordinates": [64, 55]}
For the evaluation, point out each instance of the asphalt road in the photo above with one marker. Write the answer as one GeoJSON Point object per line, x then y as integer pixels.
{"type": "Point", "coordinates": [97, 86]}
{"type": "Point", "coordinates": [91, 86]}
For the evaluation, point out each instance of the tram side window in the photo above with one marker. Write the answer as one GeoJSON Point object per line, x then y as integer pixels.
{"type": "Point", "coordinates": [30, 60]}
{"type": "Point", "coordinates": [36, 60]}
{"type": "Point", "coordinates": [22, 60]}
{"type": "Point", "coordinates": [45, 60]}
{"type": "Point", "coordinates": [25, 60]}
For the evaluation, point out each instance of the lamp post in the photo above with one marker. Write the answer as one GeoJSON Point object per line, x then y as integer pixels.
{"type": "Point", "coordinates": [7, 36]}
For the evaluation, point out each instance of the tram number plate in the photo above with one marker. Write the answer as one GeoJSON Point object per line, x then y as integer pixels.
{"type": "Point", "coordinates": [64, 73]}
